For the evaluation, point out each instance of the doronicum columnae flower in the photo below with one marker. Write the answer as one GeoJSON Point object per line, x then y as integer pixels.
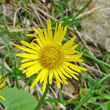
{"type": "Point", "coordinates": [2, 85]}
{"type": "Point", "coordinates": [48, 57]}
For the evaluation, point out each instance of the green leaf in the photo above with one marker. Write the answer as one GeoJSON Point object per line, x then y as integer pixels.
{"type": "Point", "coordinates": [61, 9]}
{"type": "Point", "coordinates": [17, 99]}
{"type": "Point", "coordinates": [108, 107]}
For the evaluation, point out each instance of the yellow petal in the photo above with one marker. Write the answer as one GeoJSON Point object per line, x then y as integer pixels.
{"type": "Point", "coordinates": [3, 83]}
{"type": "Point", "coordinates": [71, 50]}
{"type": "Point", "coordinates": [58, 33]}
{"type": "Point", "coordinates": [36, 80]}
{"type": "Point", "coordinates": [74, 58]}
{"type": "Point", "coordinates": [31, 67]}
{"type": "Point", "coordinates": [25, 65]}
{"type": "Point", "coordinates": [40, 34]}
{"type": "Point", "coordinates": [44, 73]}
{"type": "Point", "coordinates": [59, 27]}
{"type": "Point", "coordinates": [74, 76]}
{"type": "Point", "coordinates": [60, 74]}
{"type": "Point", "coordinates": [65, 73]}
{"type": "Point", "coordinates": [26, 60]}
{"type": "Point", "coordinates": [58, 83]}
{"type": "Point", "coordinates": [37, 48]}
{"type": "Point", "coordinates": [75, 67]}
{"type": "Point", "coordinates": [57, 77]}
{"type": "Point", "coordinates": [30, 56]}
{"type": "Point", "coordinates": [31, 35]}
{"type": "Point", "coordinates": [46, 37]}
{"type": "Point", "coordinates": [26, 49]}
{"type": "Point", "coordinates": [69, 43]}
{"type": "Point", "coordinates": [50, 77]}
{"type": "Point", "coordinates": [63, 34]}
{"type": "Point", "coordinates": [33, 70]}
{"type": "Point", "coordinates": [68, 70]}
{"type": "Point", "coordinates": [38, 41]}
{"type": "Point", "coordinates": [49, 28]}
{"type": "Point", "coordinates": [64, 80]}
{"type": "Point", "coordinates": [3, 98]}
{"type": "Point", "coordinates": [44, 84]}
{"type": "Point", "coordinates": [56, 29]}
{"type": "Point", "coordinates": [41, 39]}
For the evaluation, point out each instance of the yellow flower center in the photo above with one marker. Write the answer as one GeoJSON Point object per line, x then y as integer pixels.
{"type": "Point", "coordinates": [51, 56]}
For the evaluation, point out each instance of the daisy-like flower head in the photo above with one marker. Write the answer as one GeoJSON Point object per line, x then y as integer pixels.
{"type": "Point", "coordinates": [2, 85]}
{"type": "Point", "coordinates": [47, 57]}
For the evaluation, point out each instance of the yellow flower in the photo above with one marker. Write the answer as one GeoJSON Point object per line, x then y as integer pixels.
{"type": "Point", "coordinates": [2, 84]}
{"type": "Point", "coordinates": [48, 57]}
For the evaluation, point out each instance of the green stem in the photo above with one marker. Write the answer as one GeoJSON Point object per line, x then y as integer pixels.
{"type": "Point", "coordinates": [43, 97]}
{"type": "Point", "coordinates": [15, 71]}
